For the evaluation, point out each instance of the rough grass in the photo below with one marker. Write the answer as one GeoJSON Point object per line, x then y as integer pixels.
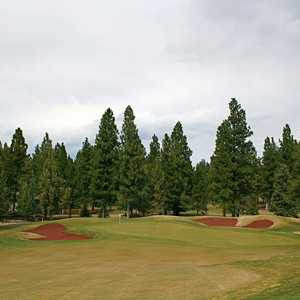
{"type": "Point", "coordinates": [152, 258]}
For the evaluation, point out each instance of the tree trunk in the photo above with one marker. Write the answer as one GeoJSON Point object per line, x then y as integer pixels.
{"type": "Point", "coordinates": [224, 212]}
{"type": "Point", "coordinates": [128, 210]}
{"type": "Point", "coordinates": [70, 212]}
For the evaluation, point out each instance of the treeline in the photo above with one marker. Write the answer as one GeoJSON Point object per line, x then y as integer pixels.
{"type": "Point", "coordinates": [116, 171]}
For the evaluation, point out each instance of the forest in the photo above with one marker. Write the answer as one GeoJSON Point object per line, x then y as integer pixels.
{"type": "Point", "coordinates": [116, 172]}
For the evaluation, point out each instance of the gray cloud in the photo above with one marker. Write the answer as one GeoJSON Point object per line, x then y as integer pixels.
{"type": "Point", "coordinates": [62, 63]}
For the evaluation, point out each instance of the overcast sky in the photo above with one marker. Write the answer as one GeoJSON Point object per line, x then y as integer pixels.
{"type": "Point", "coordinates": [62, 63]}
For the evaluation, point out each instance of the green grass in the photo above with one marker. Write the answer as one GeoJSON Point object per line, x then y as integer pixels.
{"type": "Point", "coordinates": [152, 258]}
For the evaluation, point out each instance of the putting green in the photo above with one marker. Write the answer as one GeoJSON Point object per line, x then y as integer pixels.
{"type": "Point", "coordinates": [152, 258]}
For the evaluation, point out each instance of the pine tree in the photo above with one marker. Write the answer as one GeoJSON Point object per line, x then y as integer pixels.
{"type": "Point", "coordinates": [200, 188]}
{"type": "Point", "coordinates": [104, 176]}
{"type": "Point", "coordinates": [155, 176]}
{"type": "Point", "coordinates": [294, 183]}
{"type": "Point", "coordinates": [83, 177]}
{"type": "Point", "coordinates": [50, 186]}
{"type": "Point", "coordinates": [67, 200]}
{"type": "Point", "coordinates": [62, 161]}
{"type": "Point", "coordinates": [64, 177]}
{"type": "Point", "coordinates": [222, 168]}
{"type": "Point", "coordinates": [236, 190]}
{"type": "Point", "coordinates": [287, 147]}
{"type": "Point", "coordinates": [16, 160]}
{"type": "Point", "coordinates": [132, 181]}
{"type": "Point", "coordinates": [4, 204]}
{"type": "Point", "coordinates": [167, 173]}
{"type": "Point", "coordinates": [182, 171]}
{"type": "Point", "coordinates": [27, 202]}
{"type": "Point", "coordinates": [270, 163]}
{"type": "Point", "coordinates": [281, 203]}
{"type": "Point", "coordinates": [38, 158]}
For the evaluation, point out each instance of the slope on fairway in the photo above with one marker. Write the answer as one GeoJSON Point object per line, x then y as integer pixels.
{"type": "Point", "coordinates": [149, 258]}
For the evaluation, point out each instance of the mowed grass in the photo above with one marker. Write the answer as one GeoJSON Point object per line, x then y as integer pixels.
{"type": "Point", "coordinates": [152, 258]}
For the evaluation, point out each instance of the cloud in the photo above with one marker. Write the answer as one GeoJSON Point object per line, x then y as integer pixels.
{"type": "Point", "coordinates": [62, 63]}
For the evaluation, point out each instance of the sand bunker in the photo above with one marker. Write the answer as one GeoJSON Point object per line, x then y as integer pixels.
{"type": "Point", "coordinates": [54, 232]}
{"type": "Point", "coordinates": [232, 222]}
{"type": "Point", "coordinates": [260, 224]}
{"type": "Point", "coordinates": [216, 221]}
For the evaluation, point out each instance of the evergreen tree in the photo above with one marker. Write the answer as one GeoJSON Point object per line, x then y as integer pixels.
{"type": "Point", "coordinates": [36, 165]}
{"type": "Point", "coordinates": [64, 178]}
{"type": "Point", "coordinates": [281, 202]}
{"type": "Point", "coordinates": [132, 181]}
{"type": "Point", "coordinates": [16, 160]}
{"type": "Point", "coordinates": [167, 173]}
{"type": "Point", "coordinates": [222, 168]}
{"type": "Point", "coordinates": [182, 171]}
{"type": "Point", "coordinates": [38, 159]}
{"type": "Point", "coordinates": [287, 147]}
{"type": "Point", "coordinates": [62, 161]}
{"type": "Point", "coordinates": [67, 200]}
{"type": "Point", "coordinates": [239, 161]}
{"type": "Point", "coordinates": [270, 163]}
{"type": "Point", "coordinates": [4, 204]}
{"type": "Point", "coordinates": [27, 202]}
{"type": "Point", "coordinates": [155, 176]}
{"type": "Point", "coordinates": [83, 171]}
{"type": "Point", "coordinates": [200, 188]}
{"type": "Point", "coordinates": [50, 186]}
{"type": "Point", "coordinates": [104, 176]}
{"type": "Point", "coordinates": [294, 183]}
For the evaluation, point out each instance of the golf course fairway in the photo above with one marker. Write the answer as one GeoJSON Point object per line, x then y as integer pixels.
{"type": "Point", "coordinates": [151, 258]}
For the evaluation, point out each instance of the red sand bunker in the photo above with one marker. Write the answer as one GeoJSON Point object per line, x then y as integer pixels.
{"type": "Point", "coordinates": [55, 232]}
{"type": "Point", "coordinates": [215, 221]}
{"type": "Point", "coordinates": [232, 222]}
{"type": "Point", "coordinates": [260, 224]}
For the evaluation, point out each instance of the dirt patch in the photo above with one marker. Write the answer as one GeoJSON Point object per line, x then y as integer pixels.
{"type": "Point", "coordinates": [260, 224]}
{"type": "Point", "coordinates": [54, 232]}
{"type": "Point", "coordinates": [216, 221]}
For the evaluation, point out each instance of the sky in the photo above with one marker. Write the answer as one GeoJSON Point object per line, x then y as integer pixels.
{"type": "Point", "coordinates": [63, 62]}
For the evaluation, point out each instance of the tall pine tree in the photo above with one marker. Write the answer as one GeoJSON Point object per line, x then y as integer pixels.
{"type": "Point", "coordinates": [222, 184]}
{"type": "Point", "coordinates": [200, 188]}
{"type": "Point", "coordinates": [132, 182]}
{"type": "Point", "coordinates": [16, 160]}
{"type": "Point", "coordinates": [239, 161]}
{"type": "Point", "coordinates": [167, 173]}
{"type": "Point", "coordinates": [27, 202]}
{"type": "Point", "coordinates": [282, 204]}
{"type": "Point", "coordinates": [287, 147]}
{"type": "Point", "coordinates": [4, 204]}
{"type": "Point", "coordinates": [104, 175]}
{"type": "Point", "coordinates": [182, 171]}
{"type": "Point", "coordinates": [294, 184]}
{"type": "Point", "coordinates": [155, 176]}
{"type": "Point", "coordinates": [270, 163]}
{"type": "Point", "coordinates": [83, 177]}
{"type": "Point", "coordinates": [50, 187]}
